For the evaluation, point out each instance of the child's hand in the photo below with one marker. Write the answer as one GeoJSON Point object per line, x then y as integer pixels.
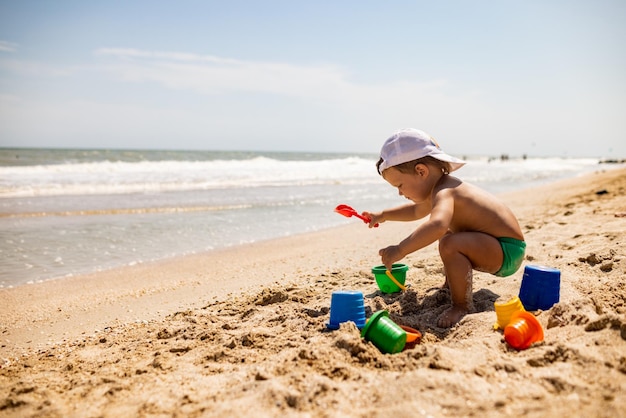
{"type": "Point", "coordinates": [375, 218]}
{"type": "Point", "coordinates": [390, 255]}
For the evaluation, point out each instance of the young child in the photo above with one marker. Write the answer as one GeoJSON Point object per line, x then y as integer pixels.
{"type": "Point", "coordinates": [474, 229]}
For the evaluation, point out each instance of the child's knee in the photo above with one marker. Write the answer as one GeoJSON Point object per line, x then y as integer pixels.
{"type": "Point", "coordinates": [446, 246]}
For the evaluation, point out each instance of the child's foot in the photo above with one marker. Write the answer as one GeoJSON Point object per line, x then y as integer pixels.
{"type": "Point", "coordinates": [451, 316]}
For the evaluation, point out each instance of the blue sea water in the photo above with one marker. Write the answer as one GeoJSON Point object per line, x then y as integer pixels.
{"type": "Point", "coordinates": [69, 212]}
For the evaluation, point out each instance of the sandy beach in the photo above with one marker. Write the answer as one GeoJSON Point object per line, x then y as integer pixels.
{"type": "Point", "coordinates": [242, 331]}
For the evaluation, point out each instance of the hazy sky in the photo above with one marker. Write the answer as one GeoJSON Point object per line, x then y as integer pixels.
{"type": "Point", "coordinates": [546, 78]}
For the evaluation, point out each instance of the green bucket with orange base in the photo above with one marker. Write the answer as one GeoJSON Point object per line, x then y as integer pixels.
{"type": "Point", "coordinates": [388, 336]}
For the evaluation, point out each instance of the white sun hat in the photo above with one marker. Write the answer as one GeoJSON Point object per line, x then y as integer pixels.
{"type": "Point", "coordinates": [412, 144]}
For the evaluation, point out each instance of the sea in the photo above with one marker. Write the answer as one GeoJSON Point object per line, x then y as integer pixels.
{"type": "Point", "coordinates": [71, 212]}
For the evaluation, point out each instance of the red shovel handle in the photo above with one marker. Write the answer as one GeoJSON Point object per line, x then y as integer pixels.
{"type": "Point", "coordinates": [363, 218]}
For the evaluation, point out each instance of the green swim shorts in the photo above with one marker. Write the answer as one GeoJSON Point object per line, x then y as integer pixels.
{"type": "Point", "coordinates": [513, 250]}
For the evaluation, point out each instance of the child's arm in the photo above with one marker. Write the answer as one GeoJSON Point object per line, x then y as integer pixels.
{"type": "Point", "coordinates": [430, 231]}
{"type": "Point", "coordinates": [405, 213]}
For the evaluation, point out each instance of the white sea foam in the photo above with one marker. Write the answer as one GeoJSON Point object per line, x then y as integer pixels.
{"type": "Point", "coordinates": [110, 177]}
{"type": "Point", "coordinates": [168, 176]}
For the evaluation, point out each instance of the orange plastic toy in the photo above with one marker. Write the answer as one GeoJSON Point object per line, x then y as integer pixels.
{"type": "Point", "coordinates": [523, 330]}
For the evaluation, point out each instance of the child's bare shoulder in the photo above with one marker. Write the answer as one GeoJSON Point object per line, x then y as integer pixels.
{"type": "Point", "coordinates": [448, 181]}
{"type": "Point", "coordinates": [450, 185]}
{"type": "Point", "coordinates": [466, 193]}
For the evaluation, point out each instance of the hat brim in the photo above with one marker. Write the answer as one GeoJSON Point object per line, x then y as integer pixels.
{"type": "Point", "coordinates": [455, 163]}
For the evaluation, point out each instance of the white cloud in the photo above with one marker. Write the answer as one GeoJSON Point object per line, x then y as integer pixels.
{"type": "Point", "coordinates": [174, 56]}
{"type": "Point", "coordinates": [6, 46]}
{"type": "Point", "coordinates": [208, 74]}
{"type": "Point", "coordinates": [326, 85]}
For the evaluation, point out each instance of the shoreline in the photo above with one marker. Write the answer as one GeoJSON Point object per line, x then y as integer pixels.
{"type": "Point", "coordinates": [130, 293]}
{"type": "Point", "coordinates": [244, 327]}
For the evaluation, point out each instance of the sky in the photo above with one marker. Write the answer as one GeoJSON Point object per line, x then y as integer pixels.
{"type": "Point", "coordinates": [534, 77]}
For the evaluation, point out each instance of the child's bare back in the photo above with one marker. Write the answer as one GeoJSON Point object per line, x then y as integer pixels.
{"type": "Point", "coordinates": [477, 210]}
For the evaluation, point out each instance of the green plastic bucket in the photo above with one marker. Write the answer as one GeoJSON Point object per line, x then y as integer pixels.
{"type": "Point", "coordinates": [384, 333]}
{"type": "Point", "coordinates": [384, 283]}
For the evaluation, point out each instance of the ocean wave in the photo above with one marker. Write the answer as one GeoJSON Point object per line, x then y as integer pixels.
{"type": "Point", "coordinates": [117, 177]}
{"type": "Point", "coordinates": [123, 177]}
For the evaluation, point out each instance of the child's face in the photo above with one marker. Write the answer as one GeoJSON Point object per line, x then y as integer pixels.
{"type": "Point", "coordinates": [413, 186]}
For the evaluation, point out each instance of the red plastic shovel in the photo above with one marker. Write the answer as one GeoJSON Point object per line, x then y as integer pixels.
{"type": "Point", "coordinates": [347, 211]}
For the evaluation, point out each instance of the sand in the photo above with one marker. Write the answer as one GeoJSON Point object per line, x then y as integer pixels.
{"type": "Point", "coordinates": [242, 331]}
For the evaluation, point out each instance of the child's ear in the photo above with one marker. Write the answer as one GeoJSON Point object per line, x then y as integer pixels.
{"type": "Point", "coordinates": [421, 170]}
